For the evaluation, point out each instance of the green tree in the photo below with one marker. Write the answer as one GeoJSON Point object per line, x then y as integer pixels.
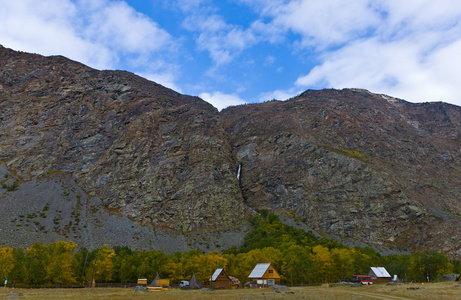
{"type": "Point", "coordinates": [150, 263]}
{"type": "Point", "coordinates": [126, 263]}
{"type": "Point", "coordinates": [16, 274]}
{"type": "Point", "coordinates": [397, 264]}
{"type": "Point", "coordinates": [82, 258]}
{"type": "Point", "coordinates": [299, 265]}
{"type": "Point", "coordinates": [429, 265]}
{"type": "Point", "coordinates": [268, 231]}
{"type": "Point", "coordinates": [36, 260]}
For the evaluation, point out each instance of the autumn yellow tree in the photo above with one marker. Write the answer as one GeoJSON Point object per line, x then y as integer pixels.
{"type": "Point", "coordinates": [61, 263]}
{"type": "Point", "coordinates": [102, 266]}
{"type": "Point", "coordinates": [183, 266]}
{"type": "Point", "coordinates": [208, 263]}
{"type": "Point", "coordinates": [324, 264]}
{"type": "Point", "coordinates": [6, 262]}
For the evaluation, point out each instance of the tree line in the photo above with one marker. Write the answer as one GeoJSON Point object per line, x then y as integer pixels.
{"type": "Point", "coordinates": [299, 257]}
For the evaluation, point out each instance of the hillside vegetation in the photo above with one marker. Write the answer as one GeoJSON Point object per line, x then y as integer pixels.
{"type": "Point", "coordinates": [299, 257]}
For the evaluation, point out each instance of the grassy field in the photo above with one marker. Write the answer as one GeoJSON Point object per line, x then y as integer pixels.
{"type": "Point", "coordinates": [398, 292]}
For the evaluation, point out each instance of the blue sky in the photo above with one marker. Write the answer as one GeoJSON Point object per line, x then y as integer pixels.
{"type": "Point", "coordinates": [238, 51]}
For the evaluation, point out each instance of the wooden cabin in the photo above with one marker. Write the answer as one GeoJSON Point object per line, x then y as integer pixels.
{"type": "Point", "coordinates": [220, 279]}
{"type": "Point", "coordinates": [379, 275]}
{"type": "Point", "coordinates": [264, 275]}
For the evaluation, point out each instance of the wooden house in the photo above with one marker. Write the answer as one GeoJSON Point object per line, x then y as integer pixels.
{"type": "Point", "coordinates": [219, 279]}
{"type": "Point", "coordinates": [264, 275]}
{"type": "Point", "coordinates": [379, 274]}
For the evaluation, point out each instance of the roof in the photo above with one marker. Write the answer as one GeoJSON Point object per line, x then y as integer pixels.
{"type": "Point", "coordinates": [216, 274]}
{"type": "Point", "coordinates": [259, 270]}
{"type": "Point", "coordinates": [380, 272]}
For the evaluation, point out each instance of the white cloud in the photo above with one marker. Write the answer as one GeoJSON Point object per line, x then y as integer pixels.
{"type": "Point", "coordinates": [165, 79]}
{"type": "Point", "coordinates": [120, 27]}
{"type": "Point", "coordinates": [46, 27]}
{"type": "Point", "coordinates": [220, 100]}
{"type": "Point", "coordinates": [322, 23]}
{"type": "Point", "coordinates": [223, 41]}
{"type": "Point", "coordinates": [280, 94]}
{"type": "Point", "coordinates": [411, 54]}
{"type": "Point", "coordinates": [368, 64]}
{"type": "Point", "coordinates": [98, 33]}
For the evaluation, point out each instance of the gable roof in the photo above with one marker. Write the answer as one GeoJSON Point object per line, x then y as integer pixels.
{"type": "Point", "coordinates": [380, 272]}
{"type": "Point", "coordinates": [259, 270]}
{"type": "Point", "coordinates": [216, 274]}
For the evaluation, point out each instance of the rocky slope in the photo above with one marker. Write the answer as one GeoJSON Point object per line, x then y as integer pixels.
{"type": "Point", "coordinates": [109, 157]}
{"type": "Point", "coordinates": [149, 153]}
{"type": "Point", "coordinates": [355, 164]}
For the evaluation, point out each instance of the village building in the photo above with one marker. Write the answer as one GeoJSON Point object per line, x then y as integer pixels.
{"type": "Point", "coordinates": [219, 279]}
{"type": "Point", "coordinates": [158, 282]}
{"type": "Point", "coordinates": [264, 275]}
{"type": "Point", "coordinates": [379, 274]}
{"type": "Point", "coordinates": [142, 282]}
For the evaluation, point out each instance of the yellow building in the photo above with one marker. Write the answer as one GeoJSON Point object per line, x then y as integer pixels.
{"type": "Point", "coordinates": [264, 275]}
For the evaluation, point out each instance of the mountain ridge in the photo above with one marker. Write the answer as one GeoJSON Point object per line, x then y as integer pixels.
{"type": "Point", "coordinates": [348, 163]}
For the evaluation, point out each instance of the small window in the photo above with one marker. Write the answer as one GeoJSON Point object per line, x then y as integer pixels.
{"type": "Point", "coordinates": [271, 271]}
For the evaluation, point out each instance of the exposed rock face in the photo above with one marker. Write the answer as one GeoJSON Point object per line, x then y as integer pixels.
{"type": "Point", "coordinates": [148, 152]}
{"type": "Point", "coordinates": [153, 168]}
{"type": "Point", "coordinates": [355, 164]}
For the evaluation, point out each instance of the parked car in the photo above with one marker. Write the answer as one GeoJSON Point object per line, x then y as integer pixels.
{"type": "Point", "coordinates": [184, 283]}
{"type": "Point", "coordinates": [363, 279]}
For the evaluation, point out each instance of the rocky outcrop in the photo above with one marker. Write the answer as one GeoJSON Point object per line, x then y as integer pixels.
{"type": "Point", "coordinates": [154, 168]}
{"type": "Point", "coordinates": [354, 164]}
{"type": "Point", "coordinates": [152, 154]}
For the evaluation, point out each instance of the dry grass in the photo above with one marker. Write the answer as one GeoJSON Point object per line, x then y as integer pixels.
{"type": "Point", "coordinates": [398, 292]}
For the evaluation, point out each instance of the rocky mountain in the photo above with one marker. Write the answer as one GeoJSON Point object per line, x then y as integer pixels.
{"type": "Point", "coordinates": [108, 157]}
{"type": "Point", "coordinates": [354, 164]}
{"type": "Point", "coordinates": [143, 151]}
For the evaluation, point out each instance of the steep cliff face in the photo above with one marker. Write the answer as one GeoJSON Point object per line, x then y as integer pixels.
{"type": "Point", "coordinates": [354, 164]}
{"type": "Point", "coordinates": [152, 154]}
{"type": "Point", "coordinates": [106, 156]}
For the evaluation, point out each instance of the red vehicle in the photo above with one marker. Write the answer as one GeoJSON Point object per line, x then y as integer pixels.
{"type": "Point", "coordinates": [363, 279]}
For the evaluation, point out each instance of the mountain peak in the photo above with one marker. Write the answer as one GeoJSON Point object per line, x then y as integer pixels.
{"type": "Point", "coordinates": [151, 166]}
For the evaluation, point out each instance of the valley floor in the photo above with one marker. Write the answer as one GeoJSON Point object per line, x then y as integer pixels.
{"type": "Point", "coordinates": [451, 290]}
